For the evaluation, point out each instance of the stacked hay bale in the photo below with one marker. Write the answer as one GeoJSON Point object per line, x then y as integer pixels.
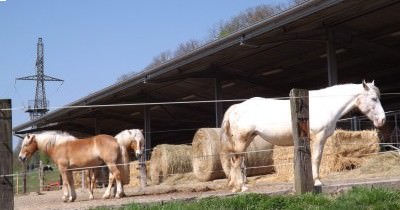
{"type": "Point", "coordinates": [343, 150]}
{"type": "Point", "coordinates": [169, 159]}
{"type": "Point", "coordinates": [135, 174]}
{"type": "Point", "coordinates": [206, 160]}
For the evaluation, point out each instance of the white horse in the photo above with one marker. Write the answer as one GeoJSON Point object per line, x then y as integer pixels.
{"type": "Point", "coordinates": [271, 119]}
{"type": "Point", "coordinates": [128, 140]}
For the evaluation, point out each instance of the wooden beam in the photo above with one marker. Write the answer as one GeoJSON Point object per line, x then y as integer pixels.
{"type": "Point", "coordinates": [218, 105]}
{"type": "Point", "coordinates": [331, 56]}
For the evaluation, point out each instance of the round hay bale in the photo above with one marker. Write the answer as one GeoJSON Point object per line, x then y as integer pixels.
{"type": "Point", "coordinates": [172, 159]}
{"type": "Point", "coordinates": [259, 159]}
{"type": "Point", "coordinates": [207, 163]}
{"type": "Point", "coordinates": [205, 150]}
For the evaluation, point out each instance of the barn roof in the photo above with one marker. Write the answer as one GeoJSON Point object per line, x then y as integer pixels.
{"type": "Point", "coordinates": [267, 59]}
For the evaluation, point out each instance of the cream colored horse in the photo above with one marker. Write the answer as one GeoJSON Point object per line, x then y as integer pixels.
{"type": "Point", "coordinates": [67, 153]}
{"type": "Point", "coordinates": [271, 119]}
{"type": "Point", "coordinates": [128, 140]}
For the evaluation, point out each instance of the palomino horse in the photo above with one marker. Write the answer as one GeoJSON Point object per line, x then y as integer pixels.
{"type": "Point", "coordinates": [67, 153]}
{"type": "Point", "coordinates": [271, 119]}
{"type": "Point", "coordinates": [132, 139]}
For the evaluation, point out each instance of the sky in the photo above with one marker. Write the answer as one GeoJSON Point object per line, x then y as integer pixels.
{"type": "Point", "coordinates": [90, 44]}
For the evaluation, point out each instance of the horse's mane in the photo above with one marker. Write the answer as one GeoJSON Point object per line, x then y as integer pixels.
{"type": "Point", "coordinates": [52, 138]}
{"type": "Point", "coordinates": [126, 136]}
{"type": "Point", "coordinates": [348, 89]}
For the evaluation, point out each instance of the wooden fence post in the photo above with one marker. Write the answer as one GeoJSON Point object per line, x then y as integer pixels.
{"type": "Point", "coordinates": [83, 180]}
{"type": "Point", "coordinates": [6, 165]}
{"type": "Point", "coordinates": [17, 184]}
{"type": "Point", "coordinates": [303, 180]}
{"type": "Point", "coordinates": [41, 177]}
{"type": "Point", "coordinates": [24, 179]}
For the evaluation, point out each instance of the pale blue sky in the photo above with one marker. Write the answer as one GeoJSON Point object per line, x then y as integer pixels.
{"type": "Point", "coordinates": [89, 44]}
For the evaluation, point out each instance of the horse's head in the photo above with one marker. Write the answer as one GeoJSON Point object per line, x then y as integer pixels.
{"type": "Point", "coordinates": [28, 147]}
{"type": "Point", "coordinates": [369, 104]}
{"type": "Point", "coordinates": [137, 143]}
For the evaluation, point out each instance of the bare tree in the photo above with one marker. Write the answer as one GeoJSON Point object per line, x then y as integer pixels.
{"type": "Point", "coordinates": [187, 47]}
{"type": "Point", "coordinates": [223, 29]}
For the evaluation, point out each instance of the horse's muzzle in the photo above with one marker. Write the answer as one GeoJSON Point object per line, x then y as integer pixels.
{"type": "Point", "coordinates": [379, 122]}
{"type": "Point", "coordinates": [22, 159]}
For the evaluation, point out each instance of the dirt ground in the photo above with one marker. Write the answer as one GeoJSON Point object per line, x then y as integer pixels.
{"type": "Point", "coordinates": [381, 171]}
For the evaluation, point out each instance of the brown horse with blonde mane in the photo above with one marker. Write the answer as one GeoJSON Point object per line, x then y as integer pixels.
{"type": "Point", "coordinates": [69, 153]}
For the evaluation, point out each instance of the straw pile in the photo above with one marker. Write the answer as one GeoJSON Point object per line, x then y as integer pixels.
{"type": "Point", "coordinates": [135, 174]}
{"type": "Point", "coordinates": [169, 159]}
{"type": "Point", "coordinates": [207, 163]}
{"type": "Point", "coordinates": [343, 150]}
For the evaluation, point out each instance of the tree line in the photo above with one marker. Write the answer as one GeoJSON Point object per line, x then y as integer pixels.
{"type": "Point", "coordinates": [244, 19]}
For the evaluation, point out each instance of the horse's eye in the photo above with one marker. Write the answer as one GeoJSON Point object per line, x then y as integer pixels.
{"type": "Point", "coordinates": [375, 99]}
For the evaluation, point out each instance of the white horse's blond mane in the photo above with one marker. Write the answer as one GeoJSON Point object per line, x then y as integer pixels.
{"type": "Point", "coordinates": [51, 138]}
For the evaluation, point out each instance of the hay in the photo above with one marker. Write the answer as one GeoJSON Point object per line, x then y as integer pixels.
{"type": "Point", "coordinates": [379, 165]}
{"type": "Point", "coordinates": [155, 168]}
{"type": "Point", "coordinates": [169, 159]}
{"type": "Point", "coordinates": [135, 174]}
{"type": "Point", "coordinates": [206, 161]}
{"type": "Point", "coordinates": [205, 150]}
{"type": "Point", "coordinates": [343, 150]}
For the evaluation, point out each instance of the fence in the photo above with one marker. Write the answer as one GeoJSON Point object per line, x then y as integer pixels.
{"type": "Point", "coordinates": [204, 102]}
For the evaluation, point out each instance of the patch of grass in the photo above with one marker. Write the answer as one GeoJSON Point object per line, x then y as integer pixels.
{"type": "Point", "coordinates": [357, 198]}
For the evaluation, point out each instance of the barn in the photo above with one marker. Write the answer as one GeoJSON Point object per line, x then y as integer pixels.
{"type": "Point", "coordinates": [313, 45]}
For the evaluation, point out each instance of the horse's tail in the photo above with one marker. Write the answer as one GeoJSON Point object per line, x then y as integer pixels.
{"type": "Point", "coordinates": [124, 167]}
{"type": "Point", "coordinates": [226, 128]}
{"type": "Point", "coordinates": [225, 142]}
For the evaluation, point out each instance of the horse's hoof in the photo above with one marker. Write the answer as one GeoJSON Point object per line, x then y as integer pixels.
{"type": "Point", "coordinates": [235, 190]}
{"type": "Point", "coordinates": [91, 197]}
{"type": "Point", "coordinates": [244, 189]}
{"type": "Point", "coordinates": [106, 196]}
{"type": "Point", "coordinates": [317, 183]}
{"type": "Point", "coordinates": [120, 195]}
{"type": "Point", "coordinates": [64, 198]}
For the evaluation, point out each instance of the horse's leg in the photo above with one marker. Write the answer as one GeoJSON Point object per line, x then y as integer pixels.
{"type": "Point", "coordinates": [72, 193]}
{"type": "Point", "coordinates": [318, 147]}
{"type": "Point", "coordinates": [237, 175]}
{"type": "Point", "coordinates": [107, 193]}
{"type": "Point", "coordinates": [117, 176]}
{"type": "Point", "coordinates": [93, 174]}
{"type": "Point", "coordinates": [65, 187]}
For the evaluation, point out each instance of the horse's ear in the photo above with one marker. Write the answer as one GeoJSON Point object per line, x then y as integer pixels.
{"type": "Point", "coordinates": [373, 82]}
{"type": "Point", "coordinates": [29, 137]}
{"type": "Point", "coordinates": [141, 130]}
{"type": "Point", "coordinates": [365, 85]}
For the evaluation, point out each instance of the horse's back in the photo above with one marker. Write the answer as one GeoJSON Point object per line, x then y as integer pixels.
{"type": "Point", "coordinates": [269, 118]}
{"type": "Point", "coordinates": [264, 112]}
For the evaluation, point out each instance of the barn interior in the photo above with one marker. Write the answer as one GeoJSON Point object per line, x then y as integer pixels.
{"type": "Point", "coordinates": [311, 46]}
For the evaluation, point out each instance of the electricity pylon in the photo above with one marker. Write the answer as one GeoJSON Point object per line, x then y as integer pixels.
{"type": "Point", "coordinates": [40, 103]}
